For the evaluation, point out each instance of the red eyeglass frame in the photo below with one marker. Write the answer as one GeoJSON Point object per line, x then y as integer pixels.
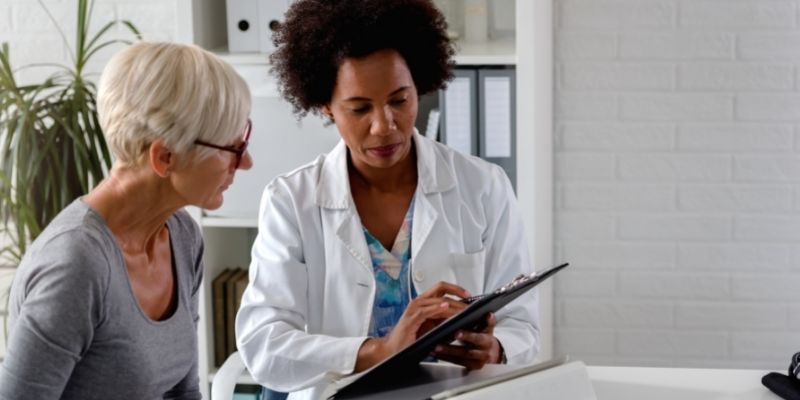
{"type": "Point", "coordinates": [238, 150]}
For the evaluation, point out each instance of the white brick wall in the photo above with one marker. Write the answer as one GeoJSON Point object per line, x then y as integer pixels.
{"type": "Point", "coordinates": [34, 39]}
{"type": "Point", "coordinates": [678, 181]}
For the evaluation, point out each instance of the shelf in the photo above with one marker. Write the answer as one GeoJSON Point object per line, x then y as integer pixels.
{"type": "Point", "coordinates": [500, 51]}
{"type": "Point", "coordinates": [224, 222]}
{"type": "Point", "coordinates": [241, 58]}
{"type": "Point", "coordinates": [493, 52]}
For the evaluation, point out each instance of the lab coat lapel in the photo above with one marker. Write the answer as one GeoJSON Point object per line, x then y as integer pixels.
{"type": "Point", "coordinates": [351, 234]}
{"type": "Point", "coordinates": [425, 217]}
{"type": "Point", "coordinates": [333, 196]}
{"type": "Point", "coordinates": [433, 177]}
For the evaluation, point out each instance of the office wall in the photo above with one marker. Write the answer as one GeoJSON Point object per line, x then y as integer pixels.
{"type": "Point", "coordinates": [677, 181]}
{"type": "Point", "coordinates": [33, 38]}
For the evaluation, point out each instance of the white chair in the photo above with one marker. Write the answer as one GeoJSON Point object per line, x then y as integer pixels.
{"type": "Point", "coordinates": [225, 379]}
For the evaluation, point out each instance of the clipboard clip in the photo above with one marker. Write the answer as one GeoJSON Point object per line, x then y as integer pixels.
{"type": "Point", "coordinates": [518, 280]}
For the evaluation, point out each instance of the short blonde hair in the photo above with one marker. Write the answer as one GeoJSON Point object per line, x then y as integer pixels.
{"type": "Point", "coordinates": [174, 92]}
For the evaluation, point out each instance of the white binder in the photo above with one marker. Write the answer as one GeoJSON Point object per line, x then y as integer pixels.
{"type": "Point", "coordinates": [242, 18]}
{"type": "Point", "coordinates": [270, 12]}
{"type": "Point", "coordinates": [251, 24]}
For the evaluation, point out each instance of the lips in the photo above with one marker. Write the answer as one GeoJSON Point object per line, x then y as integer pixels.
{"type": "Point", "coordinates": [385, 151]}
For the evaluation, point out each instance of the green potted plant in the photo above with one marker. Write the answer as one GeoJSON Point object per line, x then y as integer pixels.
{"type": "Point", "coordinates": [52, 149]}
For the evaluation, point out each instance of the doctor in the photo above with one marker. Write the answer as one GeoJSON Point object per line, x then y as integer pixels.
{"type": "Point", "coordinates": [369, 246]}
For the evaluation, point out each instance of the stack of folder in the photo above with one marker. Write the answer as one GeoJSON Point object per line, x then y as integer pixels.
{"type": "Point", "coordinates": [226, 292]}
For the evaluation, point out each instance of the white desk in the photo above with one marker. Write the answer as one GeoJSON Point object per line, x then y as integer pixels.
{"type": "Point", "coordinates": [576, 381]}
{"type": "Point", "coordinates": [678, 383]}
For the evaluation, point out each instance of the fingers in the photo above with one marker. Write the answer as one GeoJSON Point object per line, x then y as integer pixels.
{"type": "Point", "coordinates": [478, 340]}
{"type": "Point", "coordinates": [421, 310]}
{"type": "Point", "coordinates": [432, 309]}
{"type": "Point", "coordinates": [444, 288]}
{"type": "Point", "coordinates": [476, 349]}
{"type": "Point", "coordinates": [467, 356]}
{"type": "Point", "coordinates": [491, 321]}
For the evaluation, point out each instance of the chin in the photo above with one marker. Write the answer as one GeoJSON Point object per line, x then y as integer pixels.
{"type": "Point", "coordinates": [213, 204]}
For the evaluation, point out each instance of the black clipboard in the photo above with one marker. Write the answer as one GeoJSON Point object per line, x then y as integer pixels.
{"type": "Point", "coordinates": [386, 373]}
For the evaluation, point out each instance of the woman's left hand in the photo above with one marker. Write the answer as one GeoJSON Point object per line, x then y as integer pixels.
{"type": "Point", "coordinates": [476, 348]}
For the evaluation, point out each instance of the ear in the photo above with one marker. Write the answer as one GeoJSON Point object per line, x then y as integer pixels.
{"type": "Point", "coordinates": [326, 109]}
{"type": "Point", "coordinates": [162, 159]}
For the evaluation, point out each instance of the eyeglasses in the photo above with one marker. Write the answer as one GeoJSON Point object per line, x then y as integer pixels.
{"type": "Point", "coordinates": [238, 150]}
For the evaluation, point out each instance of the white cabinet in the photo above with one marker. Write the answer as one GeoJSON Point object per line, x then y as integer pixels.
{"type": "Point", "coordinates": [520, 34]}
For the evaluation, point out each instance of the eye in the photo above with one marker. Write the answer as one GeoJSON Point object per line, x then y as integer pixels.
{"type": "Point", "coordinates": [398, 102]}
{"type": "Point", "coordinates": [360, 109]}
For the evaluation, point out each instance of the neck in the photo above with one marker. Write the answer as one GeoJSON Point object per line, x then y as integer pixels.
{"type": "Point", "coordinates": [135, 204]}
{"type": "Point", "coordinates": [400, 175]}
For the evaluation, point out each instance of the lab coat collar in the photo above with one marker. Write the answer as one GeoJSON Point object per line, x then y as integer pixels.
{"type": "Point", "coordinates": [333, 188]}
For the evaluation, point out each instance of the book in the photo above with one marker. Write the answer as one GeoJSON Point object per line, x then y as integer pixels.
{"type": "Point", "coordinates": [218, 305]}
{"type": "Point", "coordinates": [239, 286]}
{"type": "Point", "coordinates": [230, 311]}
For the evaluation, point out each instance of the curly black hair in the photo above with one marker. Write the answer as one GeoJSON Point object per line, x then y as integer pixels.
{"type": "Point", "coordinates": [317, 35]}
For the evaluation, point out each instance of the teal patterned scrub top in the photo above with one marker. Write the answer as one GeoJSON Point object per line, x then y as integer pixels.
{"type": "Point", "coordinates": [393, 289]}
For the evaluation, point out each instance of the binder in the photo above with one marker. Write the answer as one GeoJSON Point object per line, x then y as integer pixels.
{"type": "Point", "coordinates": [243, 26]}
{"type": "Point", "coordinates": [251, 24]}
{"type": "Point", "coordinates": [458, 108]}
{"type": "Point", "coordinates": [498, 123]}
{"type": "Point", "coordinates": [478, 115]}
{"type": "Point", "coordinates": [270, 13]}
{"type": "Point", "coordinates": [384, 375]}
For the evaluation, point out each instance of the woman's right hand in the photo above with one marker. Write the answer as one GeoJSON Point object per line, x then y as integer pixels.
{"type": "Point", "coordinates": [421, 315]}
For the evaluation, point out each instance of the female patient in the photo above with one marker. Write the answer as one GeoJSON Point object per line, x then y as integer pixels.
{"type": "Point", "coordinates": [357, 250]}
{"type": "Point", "coordinates": [104, 304]}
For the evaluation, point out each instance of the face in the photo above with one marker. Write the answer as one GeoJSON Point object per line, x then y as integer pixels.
{"type": "Point", "coordinates": [374, 106]}
{"type": "Point", "coordinates": [201, 182]}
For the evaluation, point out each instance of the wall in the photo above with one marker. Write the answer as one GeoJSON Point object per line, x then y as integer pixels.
{"type": "Point", "coordinates": [677, 173]}
{"type": "Point", "coordinates": [33, 38]}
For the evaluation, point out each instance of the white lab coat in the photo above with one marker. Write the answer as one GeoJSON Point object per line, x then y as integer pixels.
{"type": "Point", "coordinates": [307, 308]}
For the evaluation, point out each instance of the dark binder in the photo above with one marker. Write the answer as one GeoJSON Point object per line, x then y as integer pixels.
{"type": "Point", "coordinates": [384, 375]}
{"type": "Point", "coordinates": [459, 116]}
{"type": "Point", "coordinates": [478, 115]}
{"type": "Point", "coordinates": [497, 141]}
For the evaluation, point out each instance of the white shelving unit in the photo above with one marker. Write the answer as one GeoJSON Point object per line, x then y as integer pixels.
{"type": "Point", "coordinates": [228, 238]}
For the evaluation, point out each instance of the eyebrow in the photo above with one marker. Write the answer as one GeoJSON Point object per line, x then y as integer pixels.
{"type": "Point", "coordinates": [359, 98]}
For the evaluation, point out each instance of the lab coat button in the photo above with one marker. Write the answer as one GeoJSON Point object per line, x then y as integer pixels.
{"type": "Point", "coordinates": [419, 276]}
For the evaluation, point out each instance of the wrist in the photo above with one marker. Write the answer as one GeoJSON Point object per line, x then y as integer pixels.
{"type": "Point", "coordinates": [371, 352]}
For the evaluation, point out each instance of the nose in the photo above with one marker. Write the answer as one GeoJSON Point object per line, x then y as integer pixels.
{"type": "Point", "coordinates": [247, 161]}
{"type": "Point", "coordinates": [383, 121]}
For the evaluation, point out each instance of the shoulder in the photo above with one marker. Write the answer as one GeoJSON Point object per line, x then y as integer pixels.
{"type": "Point", "coordinates": [470, 172]}
{"type": "Point", "coordinates": [300, 177]}
{"type": "Point", "coordinates": [186, 226]}
{"type": "Point", "coordinates": [74, 250]}
{"type": "Point", "coordinates": [187, 238]}
{"type": "Point", "coordinates": [297, 188]}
